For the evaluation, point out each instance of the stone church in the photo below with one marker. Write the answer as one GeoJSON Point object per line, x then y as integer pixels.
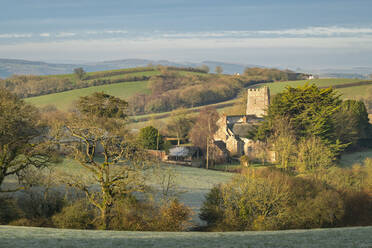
{"type": "Point", "coordinates": [233, 129]}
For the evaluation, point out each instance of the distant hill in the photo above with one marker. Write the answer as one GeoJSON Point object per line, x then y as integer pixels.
{"type": "Point", "coordinates": [354, 72]}
{"type": "Point", "coordinates": [9, 67]}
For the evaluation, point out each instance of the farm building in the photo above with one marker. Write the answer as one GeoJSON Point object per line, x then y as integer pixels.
{"type": "Point", "coordinates": [185, 155]}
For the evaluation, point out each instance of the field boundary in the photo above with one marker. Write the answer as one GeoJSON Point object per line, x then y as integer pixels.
{"type": "Point", "coordinates": [347, 85]}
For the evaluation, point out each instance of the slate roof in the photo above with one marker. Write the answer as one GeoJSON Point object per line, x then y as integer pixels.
{"type": "Point", "coordinates": [241, 129]}
{"type": "Point", "coordinates": [179, 151]}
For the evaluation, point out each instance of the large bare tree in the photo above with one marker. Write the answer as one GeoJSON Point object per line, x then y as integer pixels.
{"type": "Point", "coordinates": [114, 164]}
{"type": "Point", "coordinates": [22, 144]}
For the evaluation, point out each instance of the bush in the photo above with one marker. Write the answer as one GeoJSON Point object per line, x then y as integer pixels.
{"type": "Point", "coordinates": [212, 209]}
{"type": "Point", "coordinates": [78, 215]}
{"type": "Point", "coordinates": [36, 207]}
{"type": "Point", "coordinates": [131, 215]}
{"type": "Point", "coordinates": [358, 208]}
{"type": "Point", "coordinates": [9, 210]}
{"type": "Point", "coordinates": [267, 199]}
{"type": "Point", "coordinates": [32, 208]}
{"type": "Point", "coordinates": [134, 215]}
{"type": "Point", "coordinates": [173, 216]}
{"type": "Point", "coordinates": [38, 222]}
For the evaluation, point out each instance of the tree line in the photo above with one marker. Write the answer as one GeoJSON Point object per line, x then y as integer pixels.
{"type": "Point", "coordinates": [172, 90]}
{"type": "Point", "coordinates": [31, 86]}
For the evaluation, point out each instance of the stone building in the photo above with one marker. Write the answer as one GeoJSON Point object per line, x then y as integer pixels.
{"type": "Point", "coordinates": [258, 101]}
{"type": "Point", "coordinates": [233, 129]}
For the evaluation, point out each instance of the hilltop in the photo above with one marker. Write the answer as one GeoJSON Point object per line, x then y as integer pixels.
{"type": "Point", "coordinates": [9, 67]}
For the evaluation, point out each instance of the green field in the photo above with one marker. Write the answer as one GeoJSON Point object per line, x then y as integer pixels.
{"type": "Point", "coordinates": [277, 87]}
{"type": "Point", "coordinates": [64, 100]}
{"type": "Point", "coordinates": [356, 92]}
{"type": "Point", "coordinates": [33, 237]}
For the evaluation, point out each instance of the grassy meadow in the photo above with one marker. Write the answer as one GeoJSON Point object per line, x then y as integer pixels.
{"type": "Point", "coordinates": [64, 100]}
{"type": "Point", "coordinates": [356, 92]}
{"type": "Point", "coordinates": [33, 237]}
{"type": "Point", "coordinates": [277, 87]}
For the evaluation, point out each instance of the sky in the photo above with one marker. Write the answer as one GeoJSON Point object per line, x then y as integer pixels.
{"type": "Point", "coordinates": [285, 33]}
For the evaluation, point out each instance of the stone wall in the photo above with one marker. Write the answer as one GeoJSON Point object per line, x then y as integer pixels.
{"type": "Point", "coordinates": [258, 101]}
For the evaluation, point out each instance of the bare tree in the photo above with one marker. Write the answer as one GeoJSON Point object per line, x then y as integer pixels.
{"type": "Point", "coordinates": [218, 69]}
{"type": "Point", "coordinates": [22, 145]}
{"type": "Point", "coordinates": [203, 130]}
{"type": "Point", "coordinates": [114, 163]}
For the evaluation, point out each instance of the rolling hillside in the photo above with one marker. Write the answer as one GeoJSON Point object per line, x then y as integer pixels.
{"type": "Point", "coordinates": [33, 237]}
{"type": "Point", "coordinates": [126, 89]}
{"type": "Point", "coordinates": [64, 100]}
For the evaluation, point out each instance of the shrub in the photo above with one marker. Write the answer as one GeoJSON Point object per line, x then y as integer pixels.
{"type": "Point", "coordinates": [173, 216]}
{"type": "Point", "coordinates": [38, 206]}
{"type": "Point", "coordinates": [134, 215]}
{"type": "Point", "coordinates": [212, 209]}
{"type": "Point", "coordinates": [9, 210]}
{"type": "Point", "coordinates": [131, 215]}
{"type": "Point", "coordinates": [38, 222]}
{"type": "Point", "coordinates": [78, 215]}
{"type": "Point", "coordinates": [267, 199]}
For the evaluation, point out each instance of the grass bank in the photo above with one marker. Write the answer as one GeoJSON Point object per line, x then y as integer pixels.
{"type": "Point", "coordinates": [33, 237]}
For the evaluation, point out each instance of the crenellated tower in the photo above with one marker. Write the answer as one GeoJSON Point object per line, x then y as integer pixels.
{"type": "Point", "coordinates": [258, 100]}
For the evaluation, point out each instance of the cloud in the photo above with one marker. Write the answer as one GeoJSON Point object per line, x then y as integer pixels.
{"type": "Point", "coordinates": [265, 51]}
{"type": "Point", "coordinates": [99, 32]}
{"type": "Point", "coordinates": [309, 32]}
{"type": "Point", "coordinates": [11, 36]}
{"type": "Point", "coordinates": [115, 32]}
{"type": "Point", "coordinates": [313, 31]}
{"type": "Point", "coordinates": [287, 45]}
{"type": "Point", "coordinates": [44, 35]}
{"type": "Point", "coordinates": [64, 34]}
{"type": "Point", "coordinates": [304, 32]}
{"type": "Point", "coordinates": [148, 44]}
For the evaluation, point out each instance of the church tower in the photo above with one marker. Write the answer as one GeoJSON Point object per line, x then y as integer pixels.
{"type": "Point", "coordinates": [258, 100]}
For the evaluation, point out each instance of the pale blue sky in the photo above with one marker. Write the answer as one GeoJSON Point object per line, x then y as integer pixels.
{"type": "Point", "coordinates": [317, 33]}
